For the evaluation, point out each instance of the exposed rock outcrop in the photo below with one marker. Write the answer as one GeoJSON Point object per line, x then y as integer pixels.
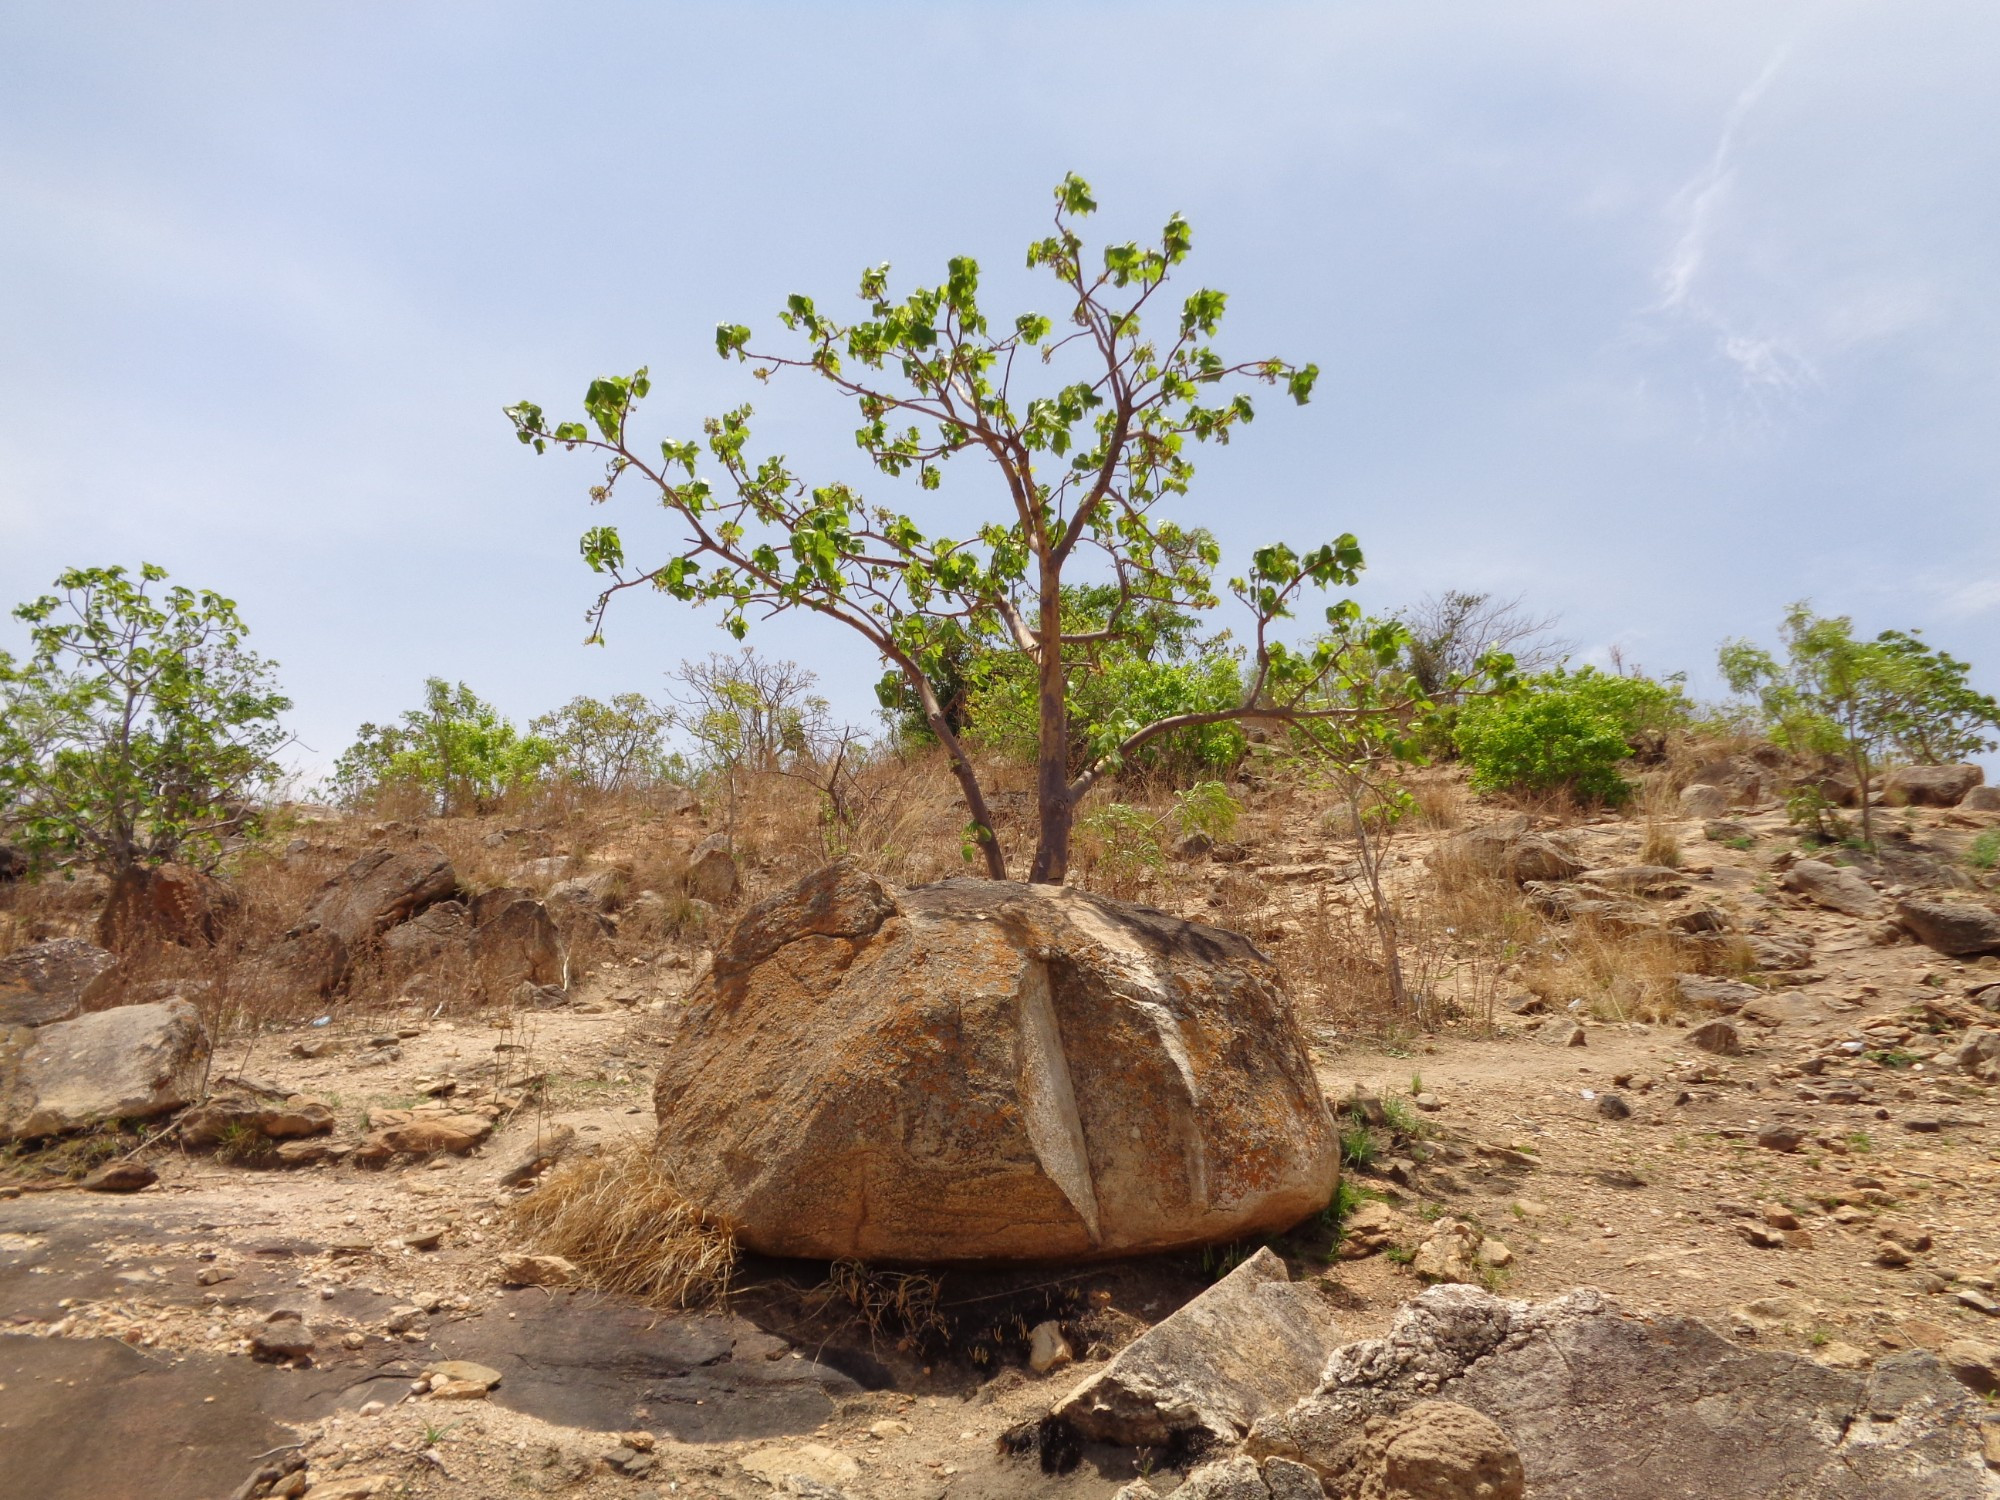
{"type": "Point", "coordinates": [130, 1063]}
{"type": "Point", "coordinates": [381, 888]}
{"type": "Point", "coordinates": [52, 981]}
{"type": "Point", "coordinates": [1602, 1405]}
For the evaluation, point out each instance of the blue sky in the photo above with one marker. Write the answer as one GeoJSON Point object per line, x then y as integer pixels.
{"type": "Point", "coordinates": [1658, 315]}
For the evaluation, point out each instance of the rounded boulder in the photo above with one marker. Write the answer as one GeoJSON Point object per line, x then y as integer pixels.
{"type": "Point", "coordinates": [986, 1071]}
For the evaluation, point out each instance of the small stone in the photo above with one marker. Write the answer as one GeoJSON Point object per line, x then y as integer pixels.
{"type": "Point", "coordinates": [283, 1335]}
{"type": "Point", "coordinates": [120, 1177]}
{"type": "Point", "coordinates": [889, 1427]}
{"type": "Point", "coordinates": [1718, 1037]}
{"type": "Point", "coordinates": [1979, 1302]}
{"type": "Point", "coordinates": [1891, 1254]}
{"type": "Point", "coordinates": [462, 1369]}
{"type": "Point", "coordinates": [402, 1319]}
{"type": "Point", "coordinates": [370, 1409]}
{"type": "Point", "coordinates": [1493, 1253]}
{"type": "Point", "coordinates": [1910, 1236]}
{"type": "Point", "coordinates": [340, 1487]}
{"type": "Point", "coordinates": [1762, 1237]}
{"type": "Point", "coordinates": [538, 1270]}
{"type": "Point", "coordinates": [1779, 1217]}
{"type": "Point", "coordinates": [1781, 1137]}
{"type": "Point", "coordinates": [1975, 1362]}
{"type": "Point", "coordinates": [1428, 1102]}
{"type": "Point", "coordinates": [458, 1390]}
{"type": "Point", "coordinates": [1613, 1107]}
{"type": "Point", "coordinates": [1576, 1038]}
{"type": "Point", "coordinates": [422, 1239]}
{"type": "Point", "coordinates": [1841, 1355]}
{"type": "Point", "coordinates": [1047, 1348]}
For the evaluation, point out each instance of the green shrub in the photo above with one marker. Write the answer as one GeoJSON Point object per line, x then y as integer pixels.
{"type": "Point", "coordinates": [1566, 731]}
{"type": "Point", "coordinates": [1985, 851]}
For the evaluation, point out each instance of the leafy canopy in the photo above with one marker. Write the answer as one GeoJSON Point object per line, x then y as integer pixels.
{"type": "Point", "coordinates": [1836, 694]}
{"type": "Point", "coordinates": [457, 749]}
{"type": "Point", "coordinates": [139, 728]}
{"type": "Point", "coordinates": [615, 746]}
{"type": "Point", "coordinates": [1088, 420]}
{"type": "Point", "coordinates": [1565, 730]}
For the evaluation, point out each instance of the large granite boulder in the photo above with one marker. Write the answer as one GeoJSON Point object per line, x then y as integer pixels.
{"type": "Point", "coordinates": [52, 981]}
{"type": "Point", "coordinates": [130, 1063]}
{"type": "Point", "coordinates": [515, 942]}
{"type": "Point", "coordinates": [1604, 1405]}
{"type": "Point", "coordinates": [381, 888]}
{"type": "Point", "coordinates": [985, 1071]}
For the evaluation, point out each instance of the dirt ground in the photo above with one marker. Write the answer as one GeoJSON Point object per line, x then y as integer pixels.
{"type": "Point", "coordinates": [1664, 1198]}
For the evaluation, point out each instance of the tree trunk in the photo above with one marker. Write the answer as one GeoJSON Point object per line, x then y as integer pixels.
{"type": "Point", "coordinates": [1052, 802]}
{"type": "Point", "coordinates": [1861, 791]}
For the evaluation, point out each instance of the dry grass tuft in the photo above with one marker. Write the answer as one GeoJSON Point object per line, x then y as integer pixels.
{"type": "Point", "coordinates": [619, 1218]}
{"type": "Point", "coordinates": [901, 1306]}
{"type": "Point", "coordinates": [1619, 974]}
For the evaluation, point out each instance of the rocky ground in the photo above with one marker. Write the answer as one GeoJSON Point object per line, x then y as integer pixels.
{"type": "Point", "coordinates": [1816, 1174]}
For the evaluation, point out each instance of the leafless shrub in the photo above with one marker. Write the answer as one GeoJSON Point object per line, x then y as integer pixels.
{"type": "Point", "coordinates": [900, 1307]}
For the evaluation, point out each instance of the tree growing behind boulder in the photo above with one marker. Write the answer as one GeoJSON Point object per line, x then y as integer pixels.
{"type": "Point", "coordinates": [1087, 456]}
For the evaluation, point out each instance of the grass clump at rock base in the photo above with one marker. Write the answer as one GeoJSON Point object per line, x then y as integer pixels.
{"type": "Point", "coordinates": [621, 1221]}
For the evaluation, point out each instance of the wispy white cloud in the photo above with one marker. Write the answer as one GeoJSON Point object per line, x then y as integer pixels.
{"type": "Point", "coordinates": [1765, 362]}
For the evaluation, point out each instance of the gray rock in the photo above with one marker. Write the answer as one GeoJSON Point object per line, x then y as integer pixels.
{"type": "Point", "coordinates": [1931, 786]}
{"type": "Point", "coordinates": [1704, 801]}
{"type": "Point", "coordinates": [1700, 992]}
{"type": "Point", "coordinates": [1287, 1480]}
{"type": "Point", "coordinates": [1605, 1406]}
{"type": "Point", "coordinates": [1230, 1479]}
{"type": "Point", "coordinates": [1246, 1347]}
{"type": "Point", "coordinates": [540, 872]}
{"type": "Point", "coordinates": [381, 888]}
{"type": "Point", "coordinates": [594, 890]}
{"type": "Point", "coordinates": [1982, 799]}
{"type": "Point", "coordinates": [430, 932]}
{"type": "Point", "coordinates": [131, 1063]}
{"type": "Point", "coordinates": [712, 875]}
{"type": "Point", "coordinates": [52, 981]}
{"type": "Point", "coordinates": [1637, 880]}
{"type": "Point", "coordinates": [1950, 927]}
{"type": "Point", "coordinates": [1835, 887]}
{"type": "Point", "coordinates": [1718, 1037]}
{"type": "Point", "coordinates": [1508, 850]}
{"type": "Point", "coordinates": [518, 944]}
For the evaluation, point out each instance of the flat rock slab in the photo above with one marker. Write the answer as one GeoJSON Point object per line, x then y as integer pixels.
{"type": "Point", "coordinates": [1604, 1405]}
{"type": "Point", "coordinates": [148, 1434]}
{"type": "Point", "coordinates": [580, 1359]}
{"type": "Point", "coordinates": [590, 1361]}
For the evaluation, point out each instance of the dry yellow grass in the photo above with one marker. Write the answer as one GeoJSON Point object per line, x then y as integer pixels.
{"type": "Point", "coordinates": [619, 1218]}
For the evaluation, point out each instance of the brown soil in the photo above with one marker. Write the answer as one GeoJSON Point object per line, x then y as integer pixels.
{"type": "Point", "coordinates": [1653, 1206]}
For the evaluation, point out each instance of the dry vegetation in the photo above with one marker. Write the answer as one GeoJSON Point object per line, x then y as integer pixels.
{"type": "Point", "coordinates": [1288, 875]}
{"type": "Point", "coordinates": [620, 1220]}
